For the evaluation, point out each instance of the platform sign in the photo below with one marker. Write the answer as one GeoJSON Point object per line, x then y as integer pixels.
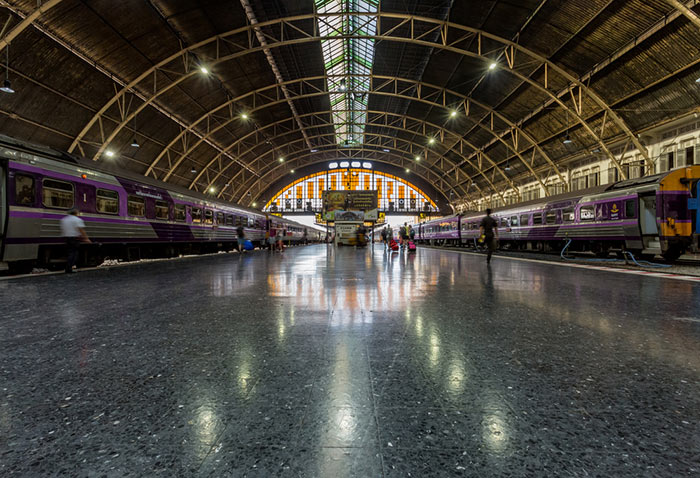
{"type": "Point", "coordinates": [348, 201]}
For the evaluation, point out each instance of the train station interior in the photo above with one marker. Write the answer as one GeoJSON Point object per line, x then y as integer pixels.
{"type": "Point", "coordinates": [350, 238]}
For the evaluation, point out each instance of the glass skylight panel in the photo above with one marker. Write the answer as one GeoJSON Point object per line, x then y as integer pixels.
{"type": "Point", "coordinates": [349, 60]}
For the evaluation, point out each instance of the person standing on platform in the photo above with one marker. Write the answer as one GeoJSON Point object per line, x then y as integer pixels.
{"type": "Point", "coordinates": [383, 235]}
{"type": "Point", "coordinates": [73, 231]}
{"type": "Point", "coordinates": [241, 237]}
{"type": "Point", "coordinates": [403, 235]}
{"type": "Point", "coordinates": [411, 233]}
{"type": "Point", "coordinates": [280, 238]}
{"type": "Point", "coordinates": [489, 232]}
{"type": "Point", "coordinates": [389, 235]}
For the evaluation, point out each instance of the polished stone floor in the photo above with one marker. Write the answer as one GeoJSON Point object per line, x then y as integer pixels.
{"type": "Point", "coordinates": [324, 362]}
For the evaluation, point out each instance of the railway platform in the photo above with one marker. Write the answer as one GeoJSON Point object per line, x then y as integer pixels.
{"type": "Point", "coordinates": [325, 362]}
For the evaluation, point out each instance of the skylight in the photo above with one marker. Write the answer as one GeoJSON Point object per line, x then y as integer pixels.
{"type": "Point", "coordinates": [348, 63]}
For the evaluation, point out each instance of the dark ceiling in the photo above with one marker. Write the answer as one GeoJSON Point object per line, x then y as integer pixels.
{"type": "Point", "coordinates": [90, 75]}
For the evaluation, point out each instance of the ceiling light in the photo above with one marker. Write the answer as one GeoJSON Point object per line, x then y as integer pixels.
{"type": "Point", "coordinates": [385, 150]}
{"type": "Point", "coordinates": [697, 81]}
{"type": "Point", "coordinates": [431, 141]}
{"type": "Point", "coordinates": [507, 168]}
{"type": "Point", "coordinates": [567, 140]}
{"type": "Point", "coordinates": [193, 171]}
{"type": "Point", "coordinates": [417, 158]}
{"type": "Point", "coordinates": [343, 85]}
{"type": "Point", "coordinates": [134, 143]}
{"type": "Point", "coordinates": [314, 150]}
{"type": "Point", "coordinates": [244, 116]}
{"type": "Point", "coordinates": [355, 164]}
{"type": "Point", "coordinates": [281, 160]}
{"type": "Point", "coordinates": [212, 189]}
{"type": "Point", "coordinates": [453, 113]}
{"type": "Point", "coordinates": [367, 165]}
{"type": "Point", "coordinates": [109, 153]}
{"type": "Point", "coordinates": [7, 86]}
{"type": "Point", "coordinates": [407, 170]}
{"type": "Point", "coordinates": [292, 171]}
{"type": "Point", "coordinates": [204, 70]}
{"type": "Point", "coordinates": [493, 65]}
{"type": "Point", "coordinates": [255, 204]}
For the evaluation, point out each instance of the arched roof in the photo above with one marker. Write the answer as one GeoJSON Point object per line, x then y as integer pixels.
{"type": "Point", "coordinates": [92, 75]}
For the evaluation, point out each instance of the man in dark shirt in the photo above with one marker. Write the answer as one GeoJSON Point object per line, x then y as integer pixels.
{"type": "Point", "coordinates": [240, 231]}
{"type": "Point", "coordinates": [489, 231]}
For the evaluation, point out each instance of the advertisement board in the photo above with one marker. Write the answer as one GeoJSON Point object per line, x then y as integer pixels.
{"type": "Point", "coordinates": [337, 202]}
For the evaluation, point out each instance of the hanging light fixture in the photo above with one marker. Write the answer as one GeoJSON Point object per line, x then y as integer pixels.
{"type": "Point", "coordinates": [6, 85]}
{"type": "Point", "coordinates": [567, 139]}
{"type": "Point", "coordinates": [134, 143]}
{"type": "Point", "coordinates": [507, 168]}
{"type": "Point", "coordinates": [193, 170]}
{"type": "Point", "coordinates": [343, 85]}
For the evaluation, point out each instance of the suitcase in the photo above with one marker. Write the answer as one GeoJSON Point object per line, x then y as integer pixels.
{"type": "Point", "coordinates": [394, 246]}
{"type": "Point", "coordinates": [411, 246]}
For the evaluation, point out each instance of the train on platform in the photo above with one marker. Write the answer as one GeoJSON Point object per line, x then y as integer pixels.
{"type": "Point", "coordinates": [648, 216]}
{"type": "Point", "coordinates": [127, 216]}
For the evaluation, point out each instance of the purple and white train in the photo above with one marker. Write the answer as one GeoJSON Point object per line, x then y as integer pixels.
{"type": "Point", "coordinates": [647, 216]}
{"type": "Point", "coordinates": [126, 216]}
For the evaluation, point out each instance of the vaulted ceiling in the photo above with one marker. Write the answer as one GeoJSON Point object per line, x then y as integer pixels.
{"type": "Point", "coordinates": [231, 95]}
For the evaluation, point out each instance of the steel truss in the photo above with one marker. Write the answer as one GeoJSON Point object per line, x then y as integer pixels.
{"type": "Point", "coordinates": [555, 83]}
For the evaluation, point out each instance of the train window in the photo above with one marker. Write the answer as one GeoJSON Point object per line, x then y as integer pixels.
{"type": "Point", "coordinates": [251, 222]}
{"type": "Point", "coordinates": [180, 213]}
{"type": "Point", "coordinates": [136, 206]}
{"type": "Point", "coordinates": [57, 194]}
{"type": "Point", "coordinates": [196, 215]}
{"type": "Point", "coordinates": [220, 218]}
{"type": "Point", "coordinates": [568, 215]}
{"type": "Point", "coordinates": [230, 220]}
{"type": "Point", "coordinates": [537, 219]}
{"type": "Point", "coordinates": [162, 210]}
{"type": "Point", "coordinates": [107, 201]}
{"type": "Point", "coordinates": [514, 221]}
{"type": "Point", "coordinates": [24, 189]}
{"type": "Point", "coordinates": [551, 217]}
{"type": "Point", "coordinates": [208, 216]}
{"type": "Point", "coordinates": [524, 220]}
{"type": "Point", "coordinates": [504, 222]}
{"type": "Point", "coordinates": [587, 213]}
{"type": "Point", "coordinates": [630, 208]}
{"type": "Point", "coordinates": [454, 226]}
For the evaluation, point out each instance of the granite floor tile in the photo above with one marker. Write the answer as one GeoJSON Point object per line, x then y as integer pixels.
{"type": "Point", "coordinates": [327, 362]}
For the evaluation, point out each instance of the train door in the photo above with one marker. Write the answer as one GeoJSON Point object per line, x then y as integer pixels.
{"type": "Point", "coordinates": [3, 204]}
{"type": "Point", "coordinates": [647, 221]}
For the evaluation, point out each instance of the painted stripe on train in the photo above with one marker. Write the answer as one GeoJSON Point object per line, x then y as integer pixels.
{"type": "Point", "coordinates": [662, 275]}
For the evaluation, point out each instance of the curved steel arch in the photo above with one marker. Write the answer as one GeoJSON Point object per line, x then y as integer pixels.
{"type": "Point", "coordinates": [421, 147]}
{"type": "Point", "coordinates": [420, 131]}
{"type": "Point", "coordinates": [332, 146]}
{"type": "Point", "coordinates": [422, 90]}
{"type": "Point", "coordinates": [335, 148]}
{"type": "Point", "coordinates": [27, 22]}
{"type": "Point", "coordinates": [298, 26]}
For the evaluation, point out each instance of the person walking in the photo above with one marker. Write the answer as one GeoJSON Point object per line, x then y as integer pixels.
{"type": "Point", "coordinates": [383, 235]}
{"type": "Point", "coordinates": [488, 229]}
{"type": "Point", "coordinates": [73, 232]}
{"type": "Point", "coordinates": [240, 231]}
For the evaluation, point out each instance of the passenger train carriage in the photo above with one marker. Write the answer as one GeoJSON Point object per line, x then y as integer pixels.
{"type": "Point", "coordinates": [647, 216]}
{"type": "Point", "coordinates": [126, 216]}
